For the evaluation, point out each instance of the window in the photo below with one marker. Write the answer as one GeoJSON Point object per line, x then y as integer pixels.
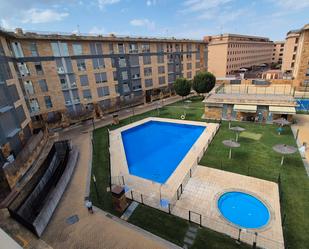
{"type": "Point", "coordinates": [103, 91]}
{"type": "Point", "coordinates": [189, 75]}
{"type": "Point", "coordinates": [189, 66]}
{"type": "Point", "coordinates": [147, 59]}
{"type": "Point", "coordinates": [98, 63]}
{"type": "Point", "coordinates": [96, 48]}
{"type": "Point", "coordinates": [124, 75]}
{"type": "Point", "coordinates": [170, 68]}
{"type": "Point", "coordinates": [77, 49]}
{"type": "Point", "coordinates": [5, 72]}
{"type": "Point", "coordinates": [23, 70]}
{"type": "Point", "coordinates": [38, 68]}
{"type": "Point", "coordinates": [161, 69]}
{"type": "Point", "coordinates": [145, 48]}
{"type": "Point", "coordinates": [134, 60]}
{"type": "Point", "coordinates": [122, 62]}
{"type": "Point", "coordinates": [81, 65]}
{"type": "Point", "coordinates": [83, 80]}
{"type": "Point", "coordinates": [160, 58]}
{"type": "Point", "coordinates": [147, 71]}
{"type": "Point", "coordinates": [189, 47]}
{"type": "Point", "coordinates": [1, 49]}
{"type": "Point", "coordinates": [48, 102]}
{"type": "Point", "coordinates": [171, 78]}
{"type": "Point", "coordinates": [43, 85]}
{"type": "Point", "coordinates": [133, 48]}
{"type": "Point", "coordinates": [293, 58]}
{"type": "Point", "coordinates": [111, 48]}
{"type": "Point", "coordinates": [18, 52]}
{"type": "Point", "coordinates": [307, 73]}
{"type": "Point", "coordinates": [33, 49]}
{"type": "Point", "coordinates": [113, 62]}
{"type": "Point", "coordinates": [87, 94]}
{"type": "Point", "coordinates": [29, 89]}
{"type": "Point", "coordinates": [100, 77]}
{"type": "Point", "coordinates": [162, 80]}
{"type": "Point", "coordinates": [34, 105]}
{"type": "Point", "coordinates": [197, 64]}
{"type": "Point", "coordinates": [121, 49]}
{"type": "Point", "coordinates": [115, 77]}
{"type": "Point", "coordinates": [160, 48]}
{"type": "Point", "coordinates": [60, 49]}
{"type": "Point", "coordinates": [148, 82]}
{"type": "Point", "coordinates": [295, 48]}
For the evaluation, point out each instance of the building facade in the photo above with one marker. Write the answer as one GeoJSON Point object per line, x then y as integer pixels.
{"type": "Point", "coordinates": [227, 53]}
{"type": "Point", "coordinates": [290, 50]}
{"type": "Point", "coordinates": [278, 50]}
{"type": "Point", "coordinates": [15, 127]}
{"type": "Point", "coordinates": [67, 76]}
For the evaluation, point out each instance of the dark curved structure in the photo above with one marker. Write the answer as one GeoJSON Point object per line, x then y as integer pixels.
{"type": "Point", "coordinates": [36, 202]}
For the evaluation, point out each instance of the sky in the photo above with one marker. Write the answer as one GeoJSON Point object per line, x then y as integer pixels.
{"type": "Point", "coordinates": [161, 18]}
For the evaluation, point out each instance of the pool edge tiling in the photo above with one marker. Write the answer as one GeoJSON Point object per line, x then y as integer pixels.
{"type": "Point", "coordinates": [163, 146]}
{"type": "Point", "coordinates": [119, 167]}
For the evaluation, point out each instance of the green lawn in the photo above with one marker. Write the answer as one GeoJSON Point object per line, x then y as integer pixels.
{"type": "Point", "coordinates": [254, 158]}
{"type": "Point", "coordinates": [173, 228]}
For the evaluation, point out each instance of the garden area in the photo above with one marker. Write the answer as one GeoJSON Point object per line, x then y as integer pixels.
{"type": "Point", "coordinates": [254, 157]}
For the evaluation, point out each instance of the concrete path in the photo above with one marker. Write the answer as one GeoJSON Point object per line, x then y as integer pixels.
{"type": "Point", "coordinates": [303, 135]}
{"type": "Point", "coordinates": [96, 230]}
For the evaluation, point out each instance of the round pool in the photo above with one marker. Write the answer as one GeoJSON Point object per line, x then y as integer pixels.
{"type": "Point", "coordinates": [244, 210]}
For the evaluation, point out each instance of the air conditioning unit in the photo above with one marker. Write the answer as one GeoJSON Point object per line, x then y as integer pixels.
{"type": "Point", "coordinates": [73, 84]}
{"type": "Point", "coordinates": [68, 102]}
{"type": "Point", "coordinates": [60, 70]}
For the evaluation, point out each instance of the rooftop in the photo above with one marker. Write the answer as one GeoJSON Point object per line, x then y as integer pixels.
{"type": "Point", "coordinates": [51, 35]}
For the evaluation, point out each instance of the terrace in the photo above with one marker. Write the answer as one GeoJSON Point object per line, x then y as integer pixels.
{"type": "Point", "coordinates": [254, 158]}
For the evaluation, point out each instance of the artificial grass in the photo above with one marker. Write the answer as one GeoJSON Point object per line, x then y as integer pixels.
{"type": "Point", "coordinates": [173, 228]}
{"type": "Point", "coordinates": [164, 225]}
{"type": "Point", "coordinates": [255, 158]}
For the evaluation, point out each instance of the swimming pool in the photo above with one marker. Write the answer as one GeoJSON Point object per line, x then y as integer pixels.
{"type": "Point", "coordinates": [244, 210]}
{"type": "Point", "coordinates": [302, 105]}
{"type": "Point", "coordinates": [154, 149]}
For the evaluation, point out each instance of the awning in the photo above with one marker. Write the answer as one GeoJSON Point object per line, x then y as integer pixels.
{"type": "Point", "coordinates": [245, 108]}
{"type": "Point", "coordinates": [282, 109]}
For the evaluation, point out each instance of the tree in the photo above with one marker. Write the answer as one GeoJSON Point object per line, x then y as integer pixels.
{"type": "Point", "coordinates": [203, 82]}
{"type": "Point", "coordinates": [182, 87]}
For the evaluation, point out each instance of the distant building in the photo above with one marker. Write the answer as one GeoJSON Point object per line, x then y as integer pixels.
{"type": "Point", "coordinates": [278, 52]}
{"type": "Point", "coordinates": [227, 53]}
{"type": "Point", "coordinates": [296, 56]}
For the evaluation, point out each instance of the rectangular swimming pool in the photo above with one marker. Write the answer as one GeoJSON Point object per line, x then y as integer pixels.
{"type": "Point", "coordinates": [302, 105]}
{"type": "Point", "coordinates": [154, 149]}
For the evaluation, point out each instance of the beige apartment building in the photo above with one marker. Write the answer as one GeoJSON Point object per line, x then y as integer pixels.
{"type": "Point", "coordinates": [278, 50]}
{"type": "Point", "coordinates": [296, 56]}
{"type": "Point", "coordinates": [68, 77]}
{"type": "Point", "coordinates": [290, 49]}
{"type": "Point", "coordinates": [227, 53]}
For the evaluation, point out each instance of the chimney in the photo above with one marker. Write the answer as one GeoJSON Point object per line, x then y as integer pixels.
{"type": "Point", "coordinates": [19, 31]}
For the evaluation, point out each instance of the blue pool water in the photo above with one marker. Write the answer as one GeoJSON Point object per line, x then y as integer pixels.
{"type": "Point", "coordinates": [154, 149]}
{"type": "Point", "coordinates": [302, 105]}
{"type": "Point", "coordinates": [244, 210]}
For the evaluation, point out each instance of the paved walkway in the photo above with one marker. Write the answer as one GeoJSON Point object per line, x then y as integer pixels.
{"type": "Point", "coordinates": [96, 230]}
{"type": "Point", "coordinates": [303, 136]}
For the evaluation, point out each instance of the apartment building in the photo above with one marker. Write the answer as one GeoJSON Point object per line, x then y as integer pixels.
{"type": "Point", "coordinates": [290, 49]}
{"type": "Point", "coordinates": [64, 76]}
{"type": "Point", "coordinates": [296, 56]}
{"type": "Point", "coordinates": [227, 53]}
{"type": "Point", "coordinates": [15, 127]}
{"type": "Point", "coordinates": [278, 50]}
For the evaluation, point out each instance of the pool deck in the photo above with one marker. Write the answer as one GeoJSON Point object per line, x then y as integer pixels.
{"type": "Point", "coordinates": [150, 189]}
{"type": "Point", "coordinates": [206, 186]}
